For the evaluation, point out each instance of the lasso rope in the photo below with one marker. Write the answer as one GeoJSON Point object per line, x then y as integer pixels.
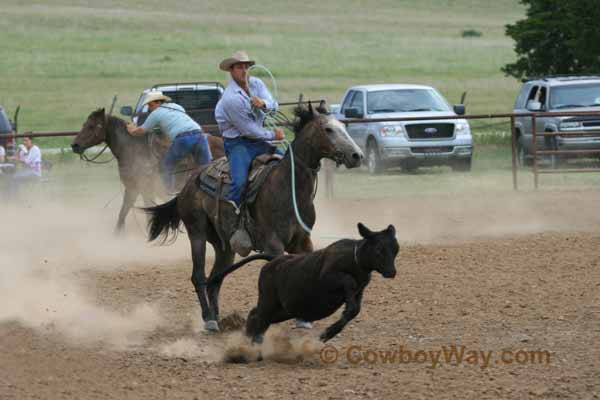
{"type": "Point", "coordinates": [272, 120]}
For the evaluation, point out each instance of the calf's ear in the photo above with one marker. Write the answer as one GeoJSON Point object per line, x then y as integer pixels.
{"type": "Point", "coordinates": [364, 231]}
{"type": "Point", "coordinates": [391, 230]}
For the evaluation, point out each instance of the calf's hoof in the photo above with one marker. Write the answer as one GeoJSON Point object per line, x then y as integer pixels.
{"type": "Point", "coordinates": [323, 337]}
{"type": "Point", "coordinates": [211, 326]}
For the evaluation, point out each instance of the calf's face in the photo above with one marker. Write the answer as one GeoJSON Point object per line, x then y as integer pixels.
{"type": "Point", "coordinates": [380, 250]}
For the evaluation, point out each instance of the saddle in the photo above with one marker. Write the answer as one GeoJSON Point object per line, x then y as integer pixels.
{"type": "Point", "coordinates": [216, 178]}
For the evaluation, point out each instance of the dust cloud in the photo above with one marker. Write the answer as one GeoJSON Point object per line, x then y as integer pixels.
{"type": "Point", "coordinates": [277, 346]}
{"type": "Point", "coordinates": [45, 250]}
{"type": "Point", "coordinates": [461, 217]}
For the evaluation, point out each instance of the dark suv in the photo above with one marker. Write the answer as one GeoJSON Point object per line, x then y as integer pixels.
{"type": "Point", "coordinates": [558, 94]}
{"type": "Point", "coordinates": [198, 98]}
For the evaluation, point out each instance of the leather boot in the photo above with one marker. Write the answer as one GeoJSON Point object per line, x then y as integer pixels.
{"type": "Point", "coordinates": [240, 241]}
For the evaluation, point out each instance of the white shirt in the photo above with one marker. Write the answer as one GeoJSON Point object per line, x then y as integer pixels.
{"type": "Point", "coordinates": [33, 159]}
{"type": "Point", "coordinates": [2, 153]}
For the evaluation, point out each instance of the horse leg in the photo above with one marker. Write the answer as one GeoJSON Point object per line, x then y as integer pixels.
{"type": "Point", "coordinates": [274, 246]}
{"type": "Point", "coordinates": [128, 201]}
{"type": "Point", "coordinates": [223, 259]}
{"type": "Point", "coordinates": [197, 234]}
{"type": "Point", "coordinates": [302, 245]}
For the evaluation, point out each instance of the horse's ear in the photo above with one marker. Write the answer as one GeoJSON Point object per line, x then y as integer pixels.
{"type": "Point", "coordinates": [364, 231]}
{"type": "Point", "coordinates": [391, 230]}
{"type": "Point", "coordinates": [321, 108]}
{"type": "Point", "coordinates": [310, 108]}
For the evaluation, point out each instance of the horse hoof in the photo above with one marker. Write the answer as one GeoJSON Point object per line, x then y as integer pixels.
{"type": "Point", "coordinates": [302, 324]}
{"type": "Point", "coordinates": [211, 326]}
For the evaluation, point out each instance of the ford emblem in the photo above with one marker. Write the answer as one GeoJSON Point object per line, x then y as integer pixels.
{"type": "Point", "coordinates": [430, 131]}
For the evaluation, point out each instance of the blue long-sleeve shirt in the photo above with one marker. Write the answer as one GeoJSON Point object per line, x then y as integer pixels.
{"type": "Point", "coordinates": [235, 115]}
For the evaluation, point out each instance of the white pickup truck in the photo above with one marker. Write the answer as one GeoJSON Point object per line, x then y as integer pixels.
{"type": "Point", "coordinates": [408, 144]}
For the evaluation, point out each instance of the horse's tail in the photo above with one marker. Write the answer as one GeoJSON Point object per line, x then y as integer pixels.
{"type": "Point", "coordinates": [218, 278]}
{"type": "Point", "coordinates": [164, 219]}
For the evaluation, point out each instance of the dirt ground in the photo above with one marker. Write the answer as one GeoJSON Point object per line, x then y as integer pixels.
{"type": "Point", "coordinates": [500, 274]}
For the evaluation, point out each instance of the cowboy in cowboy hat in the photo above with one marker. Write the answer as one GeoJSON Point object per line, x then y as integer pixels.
{"type": "Point", "coordinates": [185, 134]}
{"type": "Point", "coordinates": [240, 115]}
{"type": "Point", "coordinates": [243, 133]}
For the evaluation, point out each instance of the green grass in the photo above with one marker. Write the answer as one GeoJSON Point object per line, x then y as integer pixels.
{"type": "Point", "coordinates": [62, 61]}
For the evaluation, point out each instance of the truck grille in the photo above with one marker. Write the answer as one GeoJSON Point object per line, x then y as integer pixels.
{"type": "Point", "coordinates": [426, 150]}
{"type": "Point", "coordinates": [430, 131]}
{"type": "Point", "coordinates": [591, 123]}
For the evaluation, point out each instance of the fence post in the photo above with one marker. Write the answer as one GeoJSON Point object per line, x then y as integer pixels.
{"type": "Point", "coordinates": [534, 148]}
{"type": "Point", "coordinates": [513, 136]}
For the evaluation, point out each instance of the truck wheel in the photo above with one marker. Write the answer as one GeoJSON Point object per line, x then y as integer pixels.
{"type": "Point", "coordinates": [461, 165]}
{"type": "Point", "coordinates": [374, 163]}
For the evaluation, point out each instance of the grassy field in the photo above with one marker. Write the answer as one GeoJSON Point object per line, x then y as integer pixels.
{"type": "Point", "coordinates": [62, 59]}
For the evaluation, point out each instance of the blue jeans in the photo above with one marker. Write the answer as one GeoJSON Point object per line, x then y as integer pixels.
{"type": "Point", "coordinates": [240, 153]}
{"type": "Point", "coordinates": [181, 147]}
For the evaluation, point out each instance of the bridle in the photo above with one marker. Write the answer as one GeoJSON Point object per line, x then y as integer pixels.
{"type": "Point", "coordinates": [101, 128]}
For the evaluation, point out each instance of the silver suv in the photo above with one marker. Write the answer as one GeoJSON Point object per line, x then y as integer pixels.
{"type": "Point", "coordinates": [408, 144]}
{"type": "Point", "coordinates": [557, 94]}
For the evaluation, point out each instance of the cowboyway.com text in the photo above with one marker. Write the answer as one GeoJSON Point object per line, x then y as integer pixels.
{"type": "Point", "coordinates": [450, 354]}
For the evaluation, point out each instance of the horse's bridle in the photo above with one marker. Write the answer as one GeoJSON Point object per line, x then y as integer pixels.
{"type": "Point", "coordinates": [100, 128]}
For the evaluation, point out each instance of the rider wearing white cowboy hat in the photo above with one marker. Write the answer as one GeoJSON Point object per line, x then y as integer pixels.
{"type": "Point", "coordinates": [185, 133]}
{"type": "Point", "coordinates": [240, 116]}
{"type": "Point", "coordinates": [244, 136]}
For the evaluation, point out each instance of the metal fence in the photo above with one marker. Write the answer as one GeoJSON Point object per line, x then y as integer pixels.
{"type": "Point", "coordinates": [534, 116]}
{"type": "Point", "coordinates": [512, 117]}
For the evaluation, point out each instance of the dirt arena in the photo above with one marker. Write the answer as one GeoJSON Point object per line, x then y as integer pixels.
{"type": "Point", "coordinates": [505, 275]}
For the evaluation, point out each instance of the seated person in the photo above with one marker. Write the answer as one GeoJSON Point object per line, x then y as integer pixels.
{"type": "Point", "coordinates": [29, 161]}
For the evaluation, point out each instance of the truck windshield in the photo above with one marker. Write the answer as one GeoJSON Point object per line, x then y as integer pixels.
{"type": "Point", "coordinates": [572, 96]}
{"type": "Point", "coordinates": [405, 100]}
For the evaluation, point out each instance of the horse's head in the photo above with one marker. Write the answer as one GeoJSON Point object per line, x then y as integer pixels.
{"type": "Point", "coordinates": [92, 133]}
{"type": "Point", "coordinates": [379, 250]}
{"type": "Point", "coordinates": [326, 136]}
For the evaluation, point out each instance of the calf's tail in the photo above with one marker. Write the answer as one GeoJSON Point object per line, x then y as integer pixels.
{"type": "Point", "coordinates": [218, 278]}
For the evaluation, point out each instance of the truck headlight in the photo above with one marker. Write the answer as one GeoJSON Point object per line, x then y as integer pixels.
{"type": "Point", "coordinates": [570, 125]}
{"type": "Point", "coordinates": [462, 128]}
{"type": "Point", "coordinates": [391, 130]}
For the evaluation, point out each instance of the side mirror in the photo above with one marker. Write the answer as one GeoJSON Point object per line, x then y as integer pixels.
{"type": "Point", "coordinates": [533, 105]}
{"type": "Point", "coordinates": [127, 111]}
{"type": "Point", "coordinates": [352, 113]}
{"type": "Point", "coordinates": [459, 109]}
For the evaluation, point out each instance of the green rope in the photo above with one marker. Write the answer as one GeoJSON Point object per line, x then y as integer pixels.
{"type": "Point", "coordinates": [271, 122]}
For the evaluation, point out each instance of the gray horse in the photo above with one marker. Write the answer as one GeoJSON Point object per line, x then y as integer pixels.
{"type": "Point", "coordinates": [138, 166]}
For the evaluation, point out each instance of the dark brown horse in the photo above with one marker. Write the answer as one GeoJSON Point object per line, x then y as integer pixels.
{"type": "Point", "coordinates": [138, 166]}
{"type": "Point", "coordinates": [277, 229]}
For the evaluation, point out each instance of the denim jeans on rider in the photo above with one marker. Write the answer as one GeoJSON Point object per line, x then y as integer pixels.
{"type": "Point", "coordinates": [240, 153]}
{"type": "Point", "coordinates": [181, 147]}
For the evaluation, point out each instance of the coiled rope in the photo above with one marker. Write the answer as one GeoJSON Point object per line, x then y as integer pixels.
{"type": "Point", "coordinates": [273, 119]}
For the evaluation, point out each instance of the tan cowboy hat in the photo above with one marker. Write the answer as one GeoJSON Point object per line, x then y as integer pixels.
{"type": "Point", "coordinates": [155, 95]}
{"type": "Point", "coordinates": [237, 57]}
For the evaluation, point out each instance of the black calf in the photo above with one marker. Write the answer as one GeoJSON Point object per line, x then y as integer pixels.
{"type": "Point", "coordinates": [313, 286]}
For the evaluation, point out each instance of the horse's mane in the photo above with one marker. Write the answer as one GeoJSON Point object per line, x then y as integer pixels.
{"type": "Point", "coordinates": [304, 115]}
